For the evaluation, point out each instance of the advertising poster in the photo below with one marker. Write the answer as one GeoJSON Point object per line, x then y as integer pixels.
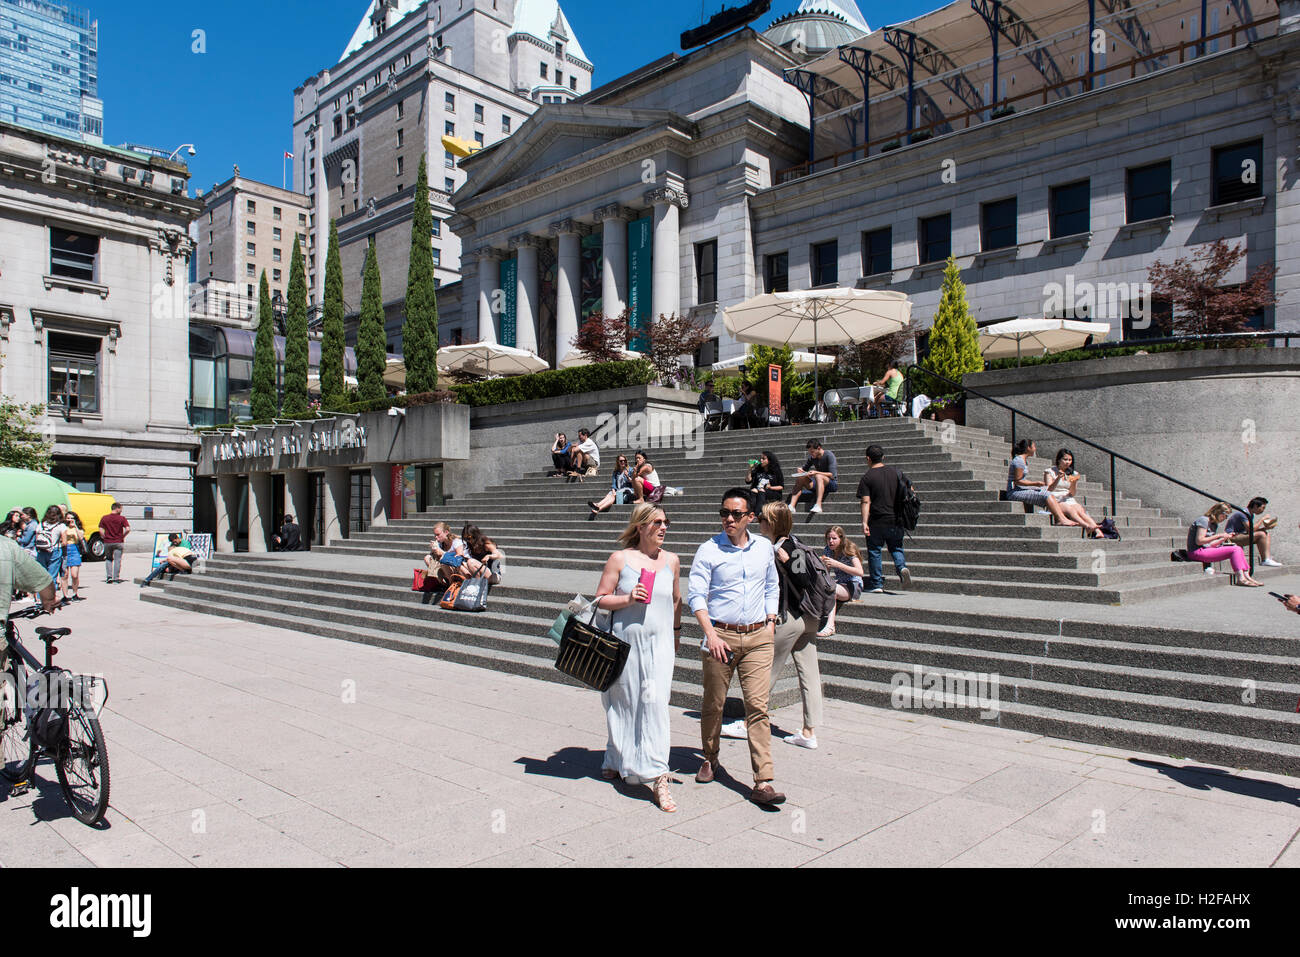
{"type": "Point", "coordinates": [160, 547]}
{"type": "Point", "coordinates": [409, 503]}
{"type": "Point", "coordinates": [396, 492]}
{"type": "Point", "coordinates": [640, 281]}
{"type": "Point", "coordinates": [593, 283]}
{"type": "Point", "coordinates": [509, 290]}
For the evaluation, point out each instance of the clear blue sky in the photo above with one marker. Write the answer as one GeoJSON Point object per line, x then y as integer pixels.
{"type": "Point", "coordinates": [234, 102]}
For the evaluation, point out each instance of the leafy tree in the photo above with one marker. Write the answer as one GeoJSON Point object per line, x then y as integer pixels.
{"type": "Point", "coordinates": [332, 340]}
{"type": "Point", "coordinates": [954, 339]}
{"type": "Point", "coordinates": [867, 361]}
{"type": "Point", "coordinates": [602, 338]}
{"type": "Point", "coordinates": [672, 337]}
{"type": "Point", "coordinates": [372, 344]}
{"type": "Point", "coordinates": [22, 446]}
{"type": "Point", "coordinates": [296, 360]}
{"type": "Point", "coordinates": [265, 405]}
{"type": "Point", "coordinates": [1202, 304]}
{"type": "Point", "coordinates": [420, 329]}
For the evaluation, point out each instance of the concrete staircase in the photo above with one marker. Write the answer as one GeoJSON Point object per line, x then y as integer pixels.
{"type": "Point", "coordinates": [1171, 691]}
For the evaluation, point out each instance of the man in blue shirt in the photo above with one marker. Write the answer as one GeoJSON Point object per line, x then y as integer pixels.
{"type": "Point", "coordinates": [734, 594]}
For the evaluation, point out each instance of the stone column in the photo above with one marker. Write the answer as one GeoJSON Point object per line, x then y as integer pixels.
{"type": "Point", "coordinates": [489, 281]}
{"type": "Point", "coordinates": [227, 513]}
{"type": "Point", "coordinates": [527, 284]}
{"type": "Point", "coordinates": [613, 220]}
{"type": "Point", "coordinates": [335, 505]}
{"type": "Point", "coordinates": [1286, 179]}
{"type": "Point", "coordinates": [568, 285]}
{"type": "Point", "coordinates": [260, 519]}
{"type": "Point", "coordinates": [297, 501]}
{"type": "Point", "coordinates": [381, 480]}
{"type": "Point", "coordinates": [667, 286]}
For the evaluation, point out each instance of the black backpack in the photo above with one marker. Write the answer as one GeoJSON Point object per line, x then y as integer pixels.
{"type": "Point", "coordinates": [812, 584]}
{"type": "Point", "coordinates": [907, 507]}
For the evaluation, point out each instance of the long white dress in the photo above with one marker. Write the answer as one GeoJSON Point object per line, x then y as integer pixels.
{"type": "Point", "coordinates": [636, 705]}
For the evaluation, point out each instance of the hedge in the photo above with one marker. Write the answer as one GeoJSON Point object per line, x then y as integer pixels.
{"type": "Point", "coordinates": [556, 382]}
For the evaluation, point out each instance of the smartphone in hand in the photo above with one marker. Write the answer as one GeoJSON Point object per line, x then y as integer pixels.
{"type": "Point", "coordinates": [648, 583]}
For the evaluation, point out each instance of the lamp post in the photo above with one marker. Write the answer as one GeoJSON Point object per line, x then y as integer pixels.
{"type": "Point", "coordinates": [183, 146]}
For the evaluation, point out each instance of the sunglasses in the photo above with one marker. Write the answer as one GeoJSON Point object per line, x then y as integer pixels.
{"type": "Point", "coordinates": [660, 521]}
{"type": "Point", "coordinates": [737, 514]}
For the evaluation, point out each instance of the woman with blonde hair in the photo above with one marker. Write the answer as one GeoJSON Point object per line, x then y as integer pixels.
{"type": "Point", "coordinates": [640, 586]}
{"type": "Point", "coordinates": [844, 559]}
{"type": "Point", "coordinates": [1206, 544]}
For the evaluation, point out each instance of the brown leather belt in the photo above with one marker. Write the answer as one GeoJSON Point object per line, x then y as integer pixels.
{"type": "Point", "coordinates": [741, 629]}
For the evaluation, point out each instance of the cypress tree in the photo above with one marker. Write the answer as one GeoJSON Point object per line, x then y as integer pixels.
{"type": "Point", "coordinates": [332, 383]}
{"type": "Point", "coordinates": [420, 328]}
{"type": "Point", "coordinates": [265, 404]}
{"type": "Point", "coordinates": [954, 339]}
{"type": "Point", "coordinates": [372, 351]}
{"type": "Point", "coordinates": [295, 339]}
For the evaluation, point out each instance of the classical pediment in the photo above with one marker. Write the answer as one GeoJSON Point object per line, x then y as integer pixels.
{"type": "Point", "coordinates": [558, 137]}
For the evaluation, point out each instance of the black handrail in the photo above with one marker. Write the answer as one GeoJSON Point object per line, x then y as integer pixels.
{"type": "Point", "coordinates": [918, 370]}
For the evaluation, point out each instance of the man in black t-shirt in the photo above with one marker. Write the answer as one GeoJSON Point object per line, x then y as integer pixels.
{"type": "Point", "coordinates": [290, 537]}
{"type": "Point", "coordinates": [878, 492]}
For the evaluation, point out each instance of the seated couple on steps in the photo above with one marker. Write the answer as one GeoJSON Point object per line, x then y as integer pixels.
{"type": "Point", "coordinates": [1054, 493]}
{"type": "Point", "coordinates": [638, 484]}
{"type": "Point", "coordinates": [473, 555]}
{"type": "Point", "coordinates": [574, 460]}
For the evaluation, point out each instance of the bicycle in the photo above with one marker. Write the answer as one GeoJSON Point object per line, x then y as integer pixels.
{"type": "Point", "coordinates": [62, 722]}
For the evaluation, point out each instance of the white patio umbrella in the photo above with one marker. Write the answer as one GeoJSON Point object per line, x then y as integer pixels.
{"type": "Point", "coordinates": [313, 383]}
{"type": "Point", "coordinates": [818, 317]}
{"type": "Point", "coordinates": [576, 358]}
{"type": "Point", "coordinates": [488, 358]}
{"type": "Point", "coordinates": [801, 361]}
{"type": "Point", "coordinates": [1015, 337]}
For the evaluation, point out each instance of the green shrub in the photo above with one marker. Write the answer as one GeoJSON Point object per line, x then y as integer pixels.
{"type": "Point", "coordinates": [556, 382]}
{"type": "Point", "coordinates": [1127, 349]}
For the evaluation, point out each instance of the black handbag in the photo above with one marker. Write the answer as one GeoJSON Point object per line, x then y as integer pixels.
{"type": "Point", "coordinates": [589, 655]}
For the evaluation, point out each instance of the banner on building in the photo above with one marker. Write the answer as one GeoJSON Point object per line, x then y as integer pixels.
{"type": "Point", "coordinates": [640, 281]}
{"type": "Point", "coordinates": [409, 503]}
{"type": "Point", "coordinates": [395, 493]}
{"type": "Point", "coordinates": [508, 300]}
{"type": "Point", "coordinates": [593, 282]}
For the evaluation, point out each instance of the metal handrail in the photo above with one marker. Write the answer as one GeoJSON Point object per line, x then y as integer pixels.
{"type": "Point", "coordinates": [918, 370]}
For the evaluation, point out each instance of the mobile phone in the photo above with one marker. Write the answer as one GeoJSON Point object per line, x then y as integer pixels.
{"type": "Point", "coordinates": [1277, 596]}
{"type": "Point", "coordinates": [731, 657]}
{"type": "Point", "coordinates": [648, 583]}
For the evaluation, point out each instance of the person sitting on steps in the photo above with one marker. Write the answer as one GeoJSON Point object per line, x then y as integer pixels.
{"type": "Point", "coordinates": [448, 558]}
{"type": "Point", "coordinates": [844, 559]}
{"type": "Point", "coordinates": [1238, 526]}
{"type": "Point", "coordinates": [1060, 481]}
{"type": "Point", "coordinates": [483, 550]}
{"type": "Point", "coordinates": [620, 489]}
{"type": "Point", "coordinates": [1022, 489]}
{"type": "Point", "coordinates": [1206, 544]}
{"type": "Point", "coordinates": [560, 455]}
{"type": "Point", "coordinates": [766, 483]}
{"type": "Point", "coordinates": [584, 456]}
{"type": "Point", "coordinates": [818, 473]}
{"type": "Point", "coordinates": [645, 480]}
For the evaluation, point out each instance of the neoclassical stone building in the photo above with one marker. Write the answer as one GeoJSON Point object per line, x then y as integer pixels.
{"type": "Point", "coordinates": [94, 317]}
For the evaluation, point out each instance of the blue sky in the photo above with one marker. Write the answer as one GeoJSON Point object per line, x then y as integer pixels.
{"type": "Point", "coordinates": [234, 102]}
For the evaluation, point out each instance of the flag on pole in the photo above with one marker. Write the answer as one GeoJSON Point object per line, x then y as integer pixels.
{"type": "Point", "coordinates": [288, 155]}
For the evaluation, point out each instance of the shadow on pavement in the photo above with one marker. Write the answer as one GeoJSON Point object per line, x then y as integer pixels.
{"type": "Point", "coordinates": [1205, 779]}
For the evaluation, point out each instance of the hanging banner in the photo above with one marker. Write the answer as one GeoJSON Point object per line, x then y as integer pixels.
{"type": "Point", "coordinates": [509, 302]}
{"type": "Point", "coordinates": [640, 281]}
{"type": "Point", "coordinates": [774, 392]}
{"type": "Point", "coordinates": [593, 283]}
{"type": "Point", "coordinates": [395, 493]}
{"type": "Point", "coordinates": [409, 504]}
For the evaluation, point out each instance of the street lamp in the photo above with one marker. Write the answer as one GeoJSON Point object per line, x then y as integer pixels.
{"type": "Point", "coordinates": [183, 146]}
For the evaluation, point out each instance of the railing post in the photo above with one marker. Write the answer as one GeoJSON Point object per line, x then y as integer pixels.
{"type": "Point", "coordinates": [1250, 518]}
{"type": "Point", "coordinates": [1114, 514]}
{"type": "Point", "coordinates": [1013, 431]}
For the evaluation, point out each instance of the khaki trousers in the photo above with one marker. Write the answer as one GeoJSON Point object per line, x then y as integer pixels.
{"type": "Point", "coordinates": [797, 638]}
{"type": "Point", "coordinates": [753, 662]}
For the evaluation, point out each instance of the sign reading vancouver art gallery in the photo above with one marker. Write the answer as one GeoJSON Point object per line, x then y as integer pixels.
{"type": "Point", "coordinates": [640, 281]}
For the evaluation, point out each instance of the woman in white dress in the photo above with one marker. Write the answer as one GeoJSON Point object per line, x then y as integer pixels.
{"type": "Point", "coordinates": [1060, 480]}
{"type": "Point", "coordinates": [636, 705]}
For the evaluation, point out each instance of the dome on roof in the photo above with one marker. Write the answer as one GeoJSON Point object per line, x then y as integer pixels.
{"type": "Point", "coordinates": [818, 26]}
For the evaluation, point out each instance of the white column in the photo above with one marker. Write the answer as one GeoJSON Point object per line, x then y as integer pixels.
{"type": "Point", "coordinates": [568, 285]}
{"type": "Point", "coordinates": [381, 479]}
{"type": "Point", "coordinates": [260, 506]}
{"type": "Point", "coordinates": [297, 494]}
{"type": "Point", "coordinates": [227, 513]}
{"type": "Point", "coordinates": [667, 266]}
{"type": "Point", "coordinates": [526, 292]}
{"type": "Point", "coordinates": [335, 505]}
{"type": "Point", "coordinates": [613, 220]}
{"type": "Point", "coordinates": [489, 280]}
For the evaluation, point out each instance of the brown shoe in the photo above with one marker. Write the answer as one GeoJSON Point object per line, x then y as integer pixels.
{"type": "Point", "coordinates": [766, 795]}
{"type": "Point", "coordinates": [705, 774]}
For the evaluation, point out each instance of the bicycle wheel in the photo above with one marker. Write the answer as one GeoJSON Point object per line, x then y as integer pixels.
{"type": "Point", "coordinates": [82, 767]}
{"type": "Point", "coordinates": [16, 753]}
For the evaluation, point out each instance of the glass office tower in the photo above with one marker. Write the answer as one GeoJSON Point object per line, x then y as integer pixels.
{"type": "Point", "coordinates": [49, 69]}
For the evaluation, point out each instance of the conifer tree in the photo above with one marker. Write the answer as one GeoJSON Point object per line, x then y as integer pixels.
{"type": "Point", "coordinates": [372, 346]}
{"type": "Point", "coordinates": [332, 383]}
{"type": "Point", "coordinates": [954, 340]}
{"type": "Point", "coordinates": [296, 360]}
{"type": "Point", "coordinates": [420, 329]}
{"type": "Point", "coordinates": [265, 402]}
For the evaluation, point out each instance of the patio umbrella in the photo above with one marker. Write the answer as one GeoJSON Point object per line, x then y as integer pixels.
{"type": "Point", "coordinates": [818, 317]}
{"type": "Point", "coordinates": [313, 383]}
{"type": "Point", "coordinates": [395, 373]}
{"type": "Point", "coordinates": [1003, 340]}
{"type": "Point", "coordinates": [801, 361]}
{"type": "Point", "coordinates": [488, 358]}
{"type": "Point", "coordinates": [575, 358]}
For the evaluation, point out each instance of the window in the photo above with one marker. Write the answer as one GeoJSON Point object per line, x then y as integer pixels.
{"type": "Point", "coordinates": [449, 159]}
{"type": "Point", "coordinates": [74, 373]}
{"type": "Point", "coordinates": [998, 224]}
{"type": "Point", "coordinates": [437, 226]}
{"type": "Point", "coordinates": [559, 51]}
{"type": "Point", "coordinates": [251, 228]}
{"type": "Point", "coordinates": [449, 185]}
{"type": "Point", "coordinates": [249, 290]}
{"type": "Point", "coordinates": [478, 139]}
{"type": "Point", "coordinates": [559, 78]}
{"type": "Point", "coordinates": [275, 233]}
{"type": "Point", "coordinates": [338, 126]}
{"type": "Point", "coordinates": [706, 271]}
{"type": "Point", "coordinates": [936, 238]}
{"type": "Point", "coordinates": [252, 206]}
{"type": "Point", "coordinates": [401, 137]}
{"type": "Point", "coordinates": [478, 112]}
{"type": "Point", "coordinates": [311, 181]}
{"type": "Point", "coordinates": [878, 251]}
{"type": "Point", "coordinates": [545, 71]}
{"type": "Point", "coordinates": [1069, 211]}
{"type": "Point", "coordinates": [449, 128]}
{"type": "Point", "coordinates": [707, 354]}
{"type": "Point", "coordinates": [437, 256]}
{"type": "Point", "coordinates": [451, 103]}
{"type": "Point", "coordinates": [1149, 189]}
{"type": "Point", "coordinates": [1237, 172]}
{"type": "Point", "coordinates": [251, 249]}
{"type": "Point", "coordinates": [300, 238]}
{"type": "Point", "coordinates": [826, 263]}
{"type": "Point", "coordinates": [401, 165]}
{"type": "Point", "coordinates": [275, 254]}
{"type": "Point", "coordinates": [275, 213]}
{"type": "Point", "coordinates": [573, 83]}
{"type": "Point", "coordinates": [74, 255]}
{"type": "Point", "coordinates": [249, 270]}
{"type": "Point", "coordinates": [776, 273]}
{"type": "Point", "coordinates": [302, 219]}
{"type": "Point", "coordinates": [275, 275]}
{"type": "Point", "coordinates": [505, 123]}
{"type": "Point", "coordinates": [401, 109]}
{"type": "Point", "coordinates": [1155, 325]}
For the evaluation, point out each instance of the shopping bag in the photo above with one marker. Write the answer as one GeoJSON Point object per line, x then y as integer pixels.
{"type": "Point", "coordinates": [472, 595]}
{"type": "Point", "coordinates": [450, 595]}
{"type": "Point", "coordinates": [424, 581]}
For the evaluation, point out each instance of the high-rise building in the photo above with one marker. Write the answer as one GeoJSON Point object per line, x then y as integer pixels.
{"type": "Point", "coordinates": [413, 72]}
{"type": "Point", "coordinates": [49, 69]}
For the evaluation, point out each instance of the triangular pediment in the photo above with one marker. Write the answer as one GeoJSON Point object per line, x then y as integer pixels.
{"type": "Point", "coordinates": [556, 137]}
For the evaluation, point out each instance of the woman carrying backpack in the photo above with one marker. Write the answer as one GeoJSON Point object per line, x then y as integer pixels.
{"type": "Point", "coordinates": [49, 542]}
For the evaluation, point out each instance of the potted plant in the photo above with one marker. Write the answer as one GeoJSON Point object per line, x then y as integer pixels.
{"type": "Point", "coordinates": [891, 145]}
{"type": "Point", "coordinates": [948, 408]}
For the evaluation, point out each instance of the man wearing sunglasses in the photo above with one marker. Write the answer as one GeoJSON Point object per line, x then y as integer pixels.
{"type": "Point", "coordinates": [734, 594]}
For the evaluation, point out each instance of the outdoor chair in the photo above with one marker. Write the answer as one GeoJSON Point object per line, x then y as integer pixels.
{"type": "Point", "coordinates": [715, 416]}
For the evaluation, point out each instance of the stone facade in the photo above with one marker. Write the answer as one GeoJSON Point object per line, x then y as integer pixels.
{"type": "Point", "coordinates": [94, 258]}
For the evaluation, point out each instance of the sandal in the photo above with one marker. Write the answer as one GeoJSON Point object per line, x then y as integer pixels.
{"type": "Point", "coordinates": [663, 797]}
{"type": "Point", "coordinates": [826, 633]}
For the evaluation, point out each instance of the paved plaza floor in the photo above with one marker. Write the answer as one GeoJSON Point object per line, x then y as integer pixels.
{"type": "Point", "coordinates": [237, 745]}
